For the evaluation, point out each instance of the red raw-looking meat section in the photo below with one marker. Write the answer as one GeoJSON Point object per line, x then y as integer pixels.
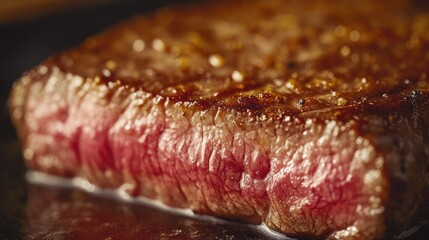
{"type": "Point", "coordinates": [208, 116]}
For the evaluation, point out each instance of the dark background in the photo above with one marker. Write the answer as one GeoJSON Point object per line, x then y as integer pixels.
{"type": "Point", "coordinates": [38, 212]}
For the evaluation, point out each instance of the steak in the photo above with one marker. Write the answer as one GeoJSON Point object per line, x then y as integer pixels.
{"type": "Point", "coordinates": [309, 117]}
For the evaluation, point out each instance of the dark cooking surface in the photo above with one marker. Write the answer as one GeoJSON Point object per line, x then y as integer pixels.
{"type": "Point", "coordinates": [37, 212]}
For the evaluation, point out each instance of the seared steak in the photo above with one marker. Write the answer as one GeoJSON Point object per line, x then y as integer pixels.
{"type": "Point", "coordinates": [309, 117]}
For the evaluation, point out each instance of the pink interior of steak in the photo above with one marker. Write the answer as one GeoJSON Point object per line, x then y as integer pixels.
{"type": "Point", "coordinates": [301, 177]}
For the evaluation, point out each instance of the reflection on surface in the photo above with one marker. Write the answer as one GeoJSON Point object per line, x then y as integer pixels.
{"type": "Point", "coordinates": [54, 213]}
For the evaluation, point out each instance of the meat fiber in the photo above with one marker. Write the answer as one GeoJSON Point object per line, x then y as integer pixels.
{"type": "Point", "coordinates": [307, 116]}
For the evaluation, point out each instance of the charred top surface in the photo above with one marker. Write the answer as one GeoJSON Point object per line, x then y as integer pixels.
{"type": "Point", "coordinates": [295, 56]}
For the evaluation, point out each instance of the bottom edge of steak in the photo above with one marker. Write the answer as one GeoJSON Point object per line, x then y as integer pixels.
{"type": "Point", "coordinates": [301, 177]}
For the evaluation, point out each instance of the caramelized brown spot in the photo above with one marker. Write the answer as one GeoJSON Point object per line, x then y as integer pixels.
{"type": "Point", "coordinates": [307, 55]}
